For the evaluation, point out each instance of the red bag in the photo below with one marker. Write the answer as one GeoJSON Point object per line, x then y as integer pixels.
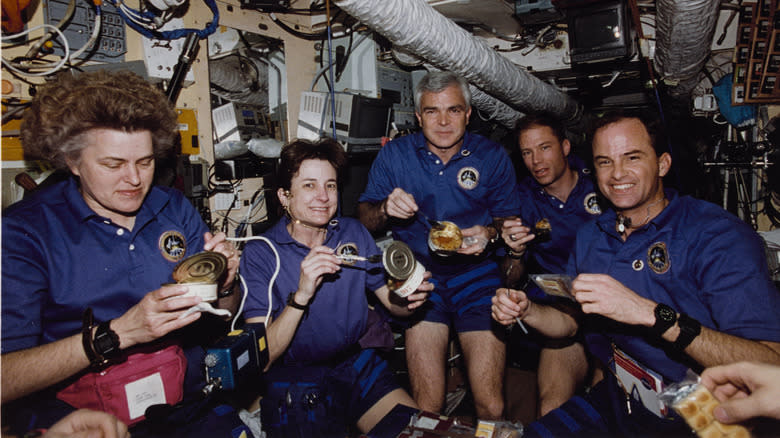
{"type": "Point", "coordinates": [128, 388]}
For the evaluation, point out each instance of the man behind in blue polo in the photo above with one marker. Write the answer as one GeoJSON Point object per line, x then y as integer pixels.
{"type": "Point", "coordinates": [559, 192]}
{"type": "Point", "coordinates": [446, 173]}
{"type": "Point", "coordinates": [665, 283]}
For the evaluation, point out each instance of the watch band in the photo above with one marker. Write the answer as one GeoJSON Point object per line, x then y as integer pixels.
{"type": "Point", "coordinates": [291, 302]}
{"type": "Point", "coordinates": [689, 330]}
{"type": "Point", "coordinates": [493, 238]}
{"type": "Point", "coordinates": [106, 342]}
{"type": "Point", "coordinates": [103, 348]}
{"type": "Point", "coordinates": [665, 317]}
{"type": "Point", "coordinates": [87, 324]}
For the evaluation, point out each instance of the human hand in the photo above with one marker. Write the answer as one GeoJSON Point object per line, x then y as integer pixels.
{"type": "Point", "coordinates": [400, 204]}
{"type": "Point", "coordinates": [603, 295]}
{"type": "Point", "coordinates": [420, 295]}
{"type": "Point", "coordinates": [86, 423]}
{"type": "Point", "coordinates": [158, 313]}
{"type": "Point", "coordinates": [219, 243]}
{"type": "Point", "coordinates": [475, 238]}
{"type": "Point", "coordinates": [509, 305]}
{"type": "Point", "coordinates": [516, 235]}
{"type": "Point", "coordinates": [320, 261]}
{"type": "Point", "coordinates": [745, 389]}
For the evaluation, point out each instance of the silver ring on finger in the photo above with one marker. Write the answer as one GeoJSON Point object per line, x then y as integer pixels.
{"type": "Point", "coordinates": [512, 238]}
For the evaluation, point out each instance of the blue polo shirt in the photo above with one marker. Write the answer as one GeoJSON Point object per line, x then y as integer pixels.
{"type": "Point", "coordinates": [475, 186]}
{"type": "Point", "coordinates": [59, 256]}
{"type": "Point", "coordinates": [696, 258]}
{"type": "Point", "coordinates": [565, 218]}
{"type": "Point", "coordinates": [337, 315]}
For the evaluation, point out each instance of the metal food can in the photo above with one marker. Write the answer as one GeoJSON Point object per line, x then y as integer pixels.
{"type": "Point", "coordinates": [404, 272]}
{"type": "Point", "coordinates": [201, 274]}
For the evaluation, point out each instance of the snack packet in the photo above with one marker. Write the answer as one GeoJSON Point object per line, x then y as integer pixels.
{"type": "Point", "coordinates": [695, 403]}
{"type": "Point", "coordinates": [554, 284]}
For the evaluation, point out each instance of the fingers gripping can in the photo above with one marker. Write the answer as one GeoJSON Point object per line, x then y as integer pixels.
{"type": "Point", "coordinates": [404, 272]}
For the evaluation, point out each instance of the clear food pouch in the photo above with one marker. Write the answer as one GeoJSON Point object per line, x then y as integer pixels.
{"type": "Point", "coordinates": [554, 284]}
{"type": "Point", "coordinates": [499, 429]}
{"type": "Point", "coordinates": [695, 404]}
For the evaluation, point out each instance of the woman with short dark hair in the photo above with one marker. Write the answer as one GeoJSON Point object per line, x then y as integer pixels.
{"type": "Point", "coordinates": [324, 374]}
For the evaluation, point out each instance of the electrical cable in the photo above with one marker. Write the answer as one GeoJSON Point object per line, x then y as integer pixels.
{"type": "Point", "coordinates": [134, 19]}
{"type": "Point", "coordinates": [309, 36]}
{"type": "Point", "coordinates": [254, 205]}
{"type": "Point", "coordinates": [270, 282]}
{"type": "Point", "coordinates": [56, 66]}
{"type": "Point", "coordinates": [769, 209]}
{"type": "Point", "coordinates": [67, 57]}
{"type": "Point", "coordinates": [13, 112]}
{"type": "Point", "coordinates": [343, 63]}
{"type": "Point", "coordinates": [324, 68]}
{"type": "Point", "coordinates": [227, 215]}
{"type": "Point", "coordinates": [35, 49]}
{"type": "Point", "coordinates": [92, 38]}
{"type": "Point", "coordinates": [330, 64]}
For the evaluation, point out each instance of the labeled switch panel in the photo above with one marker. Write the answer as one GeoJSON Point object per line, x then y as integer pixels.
{"type": "Point", "coordinates": [111, 44]}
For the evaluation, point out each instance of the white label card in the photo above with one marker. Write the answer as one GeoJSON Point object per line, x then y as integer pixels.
{"type": "Point", "coordinates": [143, 393]}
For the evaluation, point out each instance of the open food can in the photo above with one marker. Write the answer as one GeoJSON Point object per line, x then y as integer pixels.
{"type": "Point", "coordinates": [404, 272]}
{"type": "Point", "coordinates": [201, 273]}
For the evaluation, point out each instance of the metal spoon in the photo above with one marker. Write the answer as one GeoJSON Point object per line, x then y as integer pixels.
{"type": "Point", "coordinates": [354, 258]}
{"type": "Point", "coordinates": [435, 224]}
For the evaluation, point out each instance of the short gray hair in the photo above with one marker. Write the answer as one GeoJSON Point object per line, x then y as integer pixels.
{"type": "Point", "coordinates": [438, 81]}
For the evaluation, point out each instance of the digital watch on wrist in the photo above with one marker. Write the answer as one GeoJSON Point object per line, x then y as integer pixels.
{"type": "Point", "coordinates": [106, 342]}
{"type": "Point", "coordinates": [103, 348]}
{"type": "Point", "coordinates": [665, 317]}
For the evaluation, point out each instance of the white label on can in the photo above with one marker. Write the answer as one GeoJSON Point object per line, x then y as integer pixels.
{"type": "Point", "coordinates": [413, 282]}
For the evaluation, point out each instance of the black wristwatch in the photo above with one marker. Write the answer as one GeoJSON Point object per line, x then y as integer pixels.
{"type": "Point", "coordinates": [106, 342]}
{"type": "Point", "coordinates": [291, 302]}
{"type": "Point", "coordinates": [665, 317]}
{"type": "Point", "coordinates": [689, 329]}
{"type": "Point", "coordinates": [103, 348]}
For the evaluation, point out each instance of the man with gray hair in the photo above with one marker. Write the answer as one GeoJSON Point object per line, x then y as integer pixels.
{"type": "Point", "coordinates": [446, 173]}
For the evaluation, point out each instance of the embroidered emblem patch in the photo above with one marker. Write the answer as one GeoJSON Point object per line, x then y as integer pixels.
{"type": "Point", "coordinates": [468, 178]}
{"type": "Point", "coordinates": [592, 203]}
{"type": "Point", "coordinates": [346, 250]}
{"type": "Point", "coordinates": [172, 245]}
{"type": "Point", "coordinates": [658, 258]}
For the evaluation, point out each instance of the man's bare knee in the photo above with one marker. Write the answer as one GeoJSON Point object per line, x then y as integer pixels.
{"type": "Point", "coordinates": [492, 409]}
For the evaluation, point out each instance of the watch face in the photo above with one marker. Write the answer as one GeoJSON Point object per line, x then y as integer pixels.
{"type": "Point", "coordinates": [665, 313]}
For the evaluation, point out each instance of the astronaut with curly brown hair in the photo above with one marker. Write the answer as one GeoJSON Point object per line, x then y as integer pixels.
{"type": "Point", "coordinates": [90, 317]}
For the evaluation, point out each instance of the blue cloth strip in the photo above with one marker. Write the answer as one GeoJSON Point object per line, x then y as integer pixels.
{"type": "Point", "coordinates": [470, 275]}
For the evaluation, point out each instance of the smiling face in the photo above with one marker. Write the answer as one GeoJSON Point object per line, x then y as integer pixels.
{"type": "Point", "coordinates": [544, 154]}
{"type": "Point", "coordinates": [116, 170]}
{"type": "Point", "coordinates": [628, 171]}
{"type": "Point", "coordinates": [443, 118]}
{"type": "Point", "coordinates": [313, 195]}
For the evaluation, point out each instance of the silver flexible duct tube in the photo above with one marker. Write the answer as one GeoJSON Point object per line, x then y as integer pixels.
{"type": "Point", "coordinates": [418, 28]}
{"type": "Point", "coordinates": [493, 108]}
{"type": "Point", "coordinates": [684, 32]}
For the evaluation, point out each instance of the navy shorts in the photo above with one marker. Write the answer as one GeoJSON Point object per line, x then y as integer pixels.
{"type": "Point", "coordinates": [324, 400]}
{"type": "Point", "coordinates": [604, 412]}
{"type": "Point", "coordinates": [463, 301]}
